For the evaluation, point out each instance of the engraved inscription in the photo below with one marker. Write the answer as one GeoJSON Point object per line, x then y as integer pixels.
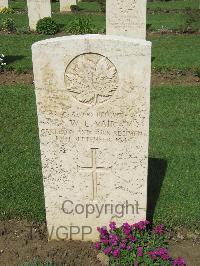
{"type": "Point", "coordinates": [91, 78]}
{"type": "Point", "coordinates": [126, 6]}
{"type": "Point", "coordinates": [94, 170]}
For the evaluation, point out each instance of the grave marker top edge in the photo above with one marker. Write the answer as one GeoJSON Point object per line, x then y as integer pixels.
{"type": "Point", "coordinates": [93, 37]}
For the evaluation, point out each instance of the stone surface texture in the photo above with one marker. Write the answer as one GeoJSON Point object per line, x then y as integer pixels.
{"type": "Point", "coordinates": [126, 18]}
{"type": "Point", "coordinates": [65, 5]}
{"type": "Point", "coordinates": [38, 9]}
{"type": "Point", "coordinates": [3, 3]}
{"type": "Point", "coordinates": [93, 95]}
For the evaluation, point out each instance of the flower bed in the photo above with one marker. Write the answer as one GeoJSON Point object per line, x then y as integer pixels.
{"type": "Point", "coordinates": [136, 244]}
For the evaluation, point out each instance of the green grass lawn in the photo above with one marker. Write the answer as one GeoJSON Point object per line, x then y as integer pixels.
{"type": "Point", "coordinates": [90, 7]}
{"type": "Point", "coordinates": [174, 124]}
{"type": "Point", "coordinates": [176, 52]}
{"type": "Point", "coordinates": [55, 6]}
{"type": "Point", "coordinates": [179, 4]}
{"type": "Point", "coordinates": [21, 192]}
{"type": "Point", "coordinates": [18, 57]}
{"type": "Point", "coordinates": [94, 7]}
{"type": "Point", "coordinates": [172, 21]}
{"type": "Point", "coordinates": [173, 139]}
{"type": "Point", "coordinates": [97, 20]}
{"type": "Point", "coordinates": [63, 19]}
{"type": "Point", "coordinates": [18, 4]}
{"type": "Point", "coordinates": [21, 5]}
{"type": "Point", "coordinates": [169, 52]}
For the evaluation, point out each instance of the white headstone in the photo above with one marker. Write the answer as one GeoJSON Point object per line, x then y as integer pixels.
{"type": "Point", "coordinates": [66, 4]}
{"type": "Point", "coordinates": [92, 96]}
{"type": "Point", "coordinates": [126, 18]}
{"type": "Point", "coordinates": [38, 9]}
{"type": "Point", "coordinates": [3, 3]}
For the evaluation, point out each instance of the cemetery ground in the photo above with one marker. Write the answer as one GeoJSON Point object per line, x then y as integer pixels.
{"type": "Point", "coordinates": [174, 184]}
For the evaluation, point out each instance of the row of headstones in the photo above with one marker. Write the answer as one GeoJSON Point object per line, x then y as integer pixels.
{"type": "Point", "coordinates": [38, 9]}
{"type": "Point", "coordinates": [123, 17]}
{"type": "Point", "coordinates": [93, 98]}
{"type": "Point", "coordinates": [64, 4]}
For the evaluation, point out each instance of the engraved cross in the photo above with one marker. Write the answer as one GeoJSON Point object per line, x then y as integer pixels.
{"type": "Point", "coordinates": [94, 170]}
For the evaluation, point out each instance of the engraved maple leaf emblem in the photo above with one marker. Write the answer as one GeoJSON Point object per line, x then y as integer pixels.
{"type": "Point", "coordinates": [91, 78]}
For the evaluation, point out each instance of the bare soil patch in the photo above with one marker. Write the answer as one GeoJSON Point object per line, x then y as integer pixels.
{"type": "Point", "coordinates": [174, 78]}
{"type": "Point", "coordinates": [164, 78]}
{"type": "Point", "coordinates": [165, 31]}
{"type": "Point", "coordinates": [186, 249]}
{"type": "Point", "coordinates": [22, 241]}
{"type": "Point", "coordinates": [159, 10]}
{"type": "Point", "coordinates": [162, 31]}
{"type": "Point", "coordinates": [11, 78]}
{"type": "Point", "coordinates": [19, 243]}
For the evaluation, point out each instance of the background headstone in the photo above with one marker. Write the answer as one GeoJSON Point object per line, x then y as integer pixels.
{"type": "Point", "coordinates": [126, 18]}
{"type": "Point", "coordinates": [3, 3]}
{"type": "Point", "coordinates": [65, 5]}
{"type": "Point", "coordinates": [38, 9]}
{"type": "Point", "coordinates": [92, 96]}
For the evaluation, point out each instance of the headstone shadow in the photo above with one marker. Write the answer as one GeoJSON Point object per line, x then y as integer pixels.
{"type": "Point", "coordinates": [156, 173]}
{"type": "Point", "coordinates": [12, 58]}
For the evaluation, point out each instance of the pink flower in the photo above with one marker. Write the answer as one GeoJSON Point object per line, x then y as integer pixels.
{"type": "Point", "coordinates": [126, 228]}
{"type": "Point", "coordinates": [152, 255]}
{"type": "Point", "coordinates": [112, 226]}
{"type": "Point", "coordinates": [129, 248]}
{"type": "Point", "coordinates": [102, 230]}
{"type": "Point", "coordinates": [159, 229]}
{"type": "Point", "coordinates": [179, 262]}
{"type": "Point", "coordinates": [97, 245]}
{"type": "Point", "coordinates": [165, 256]}
{"type": "Point", "coordinates": [133, 238]}
{"type": "Point", "coordinates": [141, 225]}
{"type": "Point", "coordinates": [113, 239]}
{"type": "Point", "coordinates": [116, 253]}
{"type": "Point", "coordinates": [159, 253]}
{"type": "Point", "coordinates": [140, 251]}
{"type": "Point", "coordinates": [122, 246]}
{"type": "Point", "coordinates": [107, 250]}
{"type": "Point", "coordinates": [105, 241]}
